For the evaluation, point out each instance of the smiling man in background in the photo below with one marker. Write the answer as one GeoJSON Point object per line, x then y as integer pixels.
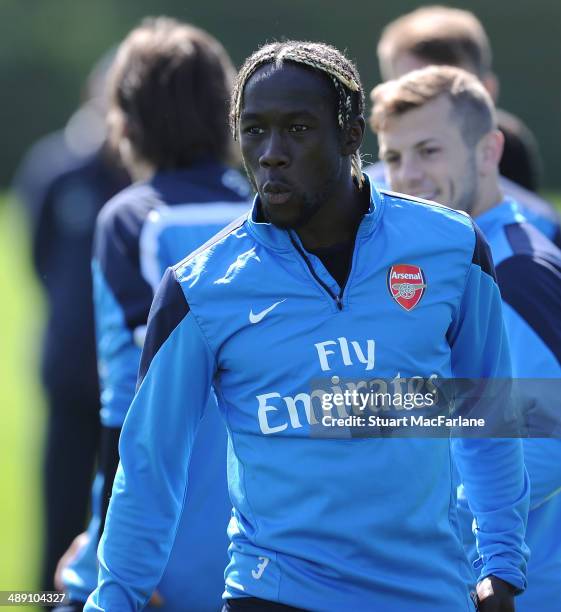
{"type": "Point", "coordinates": [440, 35]}
{"type": "Point", "coordinates": [439, 141]}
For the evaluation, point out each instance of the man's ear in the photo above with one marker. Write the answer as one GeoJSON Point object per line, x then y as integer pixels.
{"type": "Point", "coordinates": [489, 152]}
{"type": "Point", "coordinates": [353, 135]}
{"type": "Point", "coordinates": [491, 84]}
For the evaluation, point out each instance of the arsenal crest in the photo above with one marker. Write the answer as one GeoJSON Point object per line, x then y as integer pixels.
{"type": "Point", "coordinates": [406, 284]}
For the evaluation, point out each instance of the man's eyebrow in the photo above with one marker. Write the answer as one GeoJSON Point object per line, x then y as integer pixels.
{"type": "Point", "coordinates": [424, 142]}
{"type": "Point", "coordinates": [382, 151]}
{"type": "Point", "coordinates": [249, 116]}
{"type": "Point", "coordinates": [300, 113]}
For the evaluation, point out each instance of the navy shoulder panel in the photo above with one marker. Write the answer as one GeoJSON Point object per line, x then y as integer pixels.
{"type": "Point", "coordinates": [556, 238]}
{"type": "Point", "coordinates": [123, 215]}
{"type": "Point", "coordinates": [531, 285]}
{"type": "Point", "coordinates": [116, 248]}
{"type": "Point", "coordinates": [201, 183]}
{"type": "Point", "coordinates": [168, 309]}
{"type": "Point", "coordinates": [525, 239]}
{"type": "Point", "coordinates": [125, 212]}
{"type": "Point", "coordinates": [482, 253]}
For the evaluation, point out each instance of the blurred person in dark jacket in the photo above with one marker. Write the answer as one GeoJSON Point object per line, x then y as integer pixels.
{"type": "Point", "coordinates": [63, 181]}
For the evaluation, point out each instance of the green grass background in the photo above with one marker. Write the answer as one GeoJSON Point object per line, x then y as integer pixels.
{"type": "Point", "coordinates": [22, 410]}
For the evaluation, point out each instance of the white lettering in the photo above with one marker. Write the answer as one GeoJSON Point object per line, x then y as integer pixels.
{"type": "Point", "coordinates": [323, 353]}
{"type": "Point", "coordinates": [262, 413]}
{"type": "Point", "coordinates": [345, 351]}
{"type": "Point", "coordinates": [305, 399]}
{"type": "Point", "coordinates": [370, 351]}
{"type": "Point", "coordinates": [407, 276]}
{"type": "Point", "coordinates": [367, 359]}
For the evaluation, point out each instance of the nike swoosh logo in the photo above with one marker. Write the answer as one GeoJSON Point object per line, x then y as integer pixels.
{"type": "Point", "coordinates": [255, 318]}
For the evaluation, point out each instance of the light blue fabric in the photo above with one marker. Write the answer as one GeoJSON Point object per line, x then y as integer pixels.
{"type": "Point", "coordinates": [321, 524]}
{"type": "Point", "coordinates": [540, 213]}
{"type": "Point", "coordinates": [531, 358]}
{"type": "Point", "coordinates": [117, 354]}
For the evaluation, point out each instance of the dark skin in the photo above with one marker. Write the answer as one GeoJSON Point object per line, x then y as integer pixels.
{"type": "Point", "coordinates": [495, 595]}
{"type": "Point", "coordinates": [297, 157]}
{"type": "Point", "coordinates": [299, 162]}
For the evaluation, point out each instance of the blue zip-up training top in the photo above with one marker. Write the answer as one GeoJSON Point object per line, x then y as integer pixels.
{"type": "Point", "coordinates": [319, 524]}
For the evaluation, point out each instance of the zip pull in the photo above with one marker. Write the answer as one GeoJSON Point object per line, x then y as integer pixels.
{"type": "Point", "coordinates": [332, 295]}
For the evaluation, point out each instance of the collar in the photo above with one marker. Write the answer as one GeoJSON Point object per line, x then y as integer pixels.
{"type": "Point", "coordinates": [504, 213]}
{"type": "Point", "coordinates": [279, 239]}
{"type": "Point", "coordinates": [203, 172]}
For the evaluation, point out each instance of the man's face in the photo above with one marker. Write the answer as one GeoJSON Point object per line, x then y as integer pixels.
{"type": "Point", "coordinates": [426, 156]}
{"type": "Point", "coordinates": [290, 142]}
{"type": "Point", "coordinates": [404, 63]}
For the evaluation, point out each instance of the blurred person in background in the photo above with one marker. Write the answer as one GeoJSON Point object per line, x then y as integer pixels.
{"type": "Point", "coordinates": [168, 117]}
{"type": "Point", "coordinates": [439, 140]}
{"type": "Point", "coordinates": [63, 181]}
{"type": "Point", "coordinates": [448, 36]}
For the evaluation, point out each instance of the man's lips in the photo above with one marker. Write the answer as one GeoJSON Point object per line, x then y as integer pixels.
{"type": "Point", "coordinates": [276, 192]}
{"type": "Point", "coordinates": [278, 198]}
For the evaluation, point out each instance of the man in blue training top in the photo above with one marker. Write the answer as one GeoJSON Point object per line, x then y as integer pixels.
{"type": "Point", "coordinates": [170, 87]}
{"type": "Point", "coordinates": [439, 140]}
{"type": "Point", "coordinates": [298, 291]}
{"type": "Point", "coordinates": [442, 35]}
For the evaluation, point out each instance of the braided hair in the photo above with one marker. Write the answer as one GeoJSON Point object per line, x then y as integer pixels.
{"type": "Point", "coordinates": [321, 57]}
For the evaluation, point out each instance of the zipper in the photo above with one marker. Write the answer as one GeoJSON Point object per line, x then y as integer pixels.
{"type": "Point", "coordinates": [337, 298]}
{"type": "Point", "coordinates": [349, 269]}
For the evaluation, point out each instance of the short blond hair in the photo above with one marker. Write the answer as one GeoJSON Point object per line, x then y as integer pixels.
{"type": "Point", "coordinates": [439, 35]}
{"type": "Point", "coordinates": [472, 106]}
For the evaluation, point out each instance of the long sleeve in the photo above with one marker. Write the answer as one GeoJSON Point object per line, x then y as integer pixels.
{"type": "Point", "coordinates": [531, 308]}
{"type": "Point", "coordinates": [122, 301]}
{"type": "Point", "coordinates": [175, 377]}
{"type": "Point", "coordinates": [491, 470]}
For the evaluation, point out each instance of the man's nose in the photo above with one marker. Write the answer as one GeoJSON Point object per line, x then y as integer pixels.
{"type": "Point", "coordinates": [274, 154]}
{"type": "Point", "coordinates": [410, 171]}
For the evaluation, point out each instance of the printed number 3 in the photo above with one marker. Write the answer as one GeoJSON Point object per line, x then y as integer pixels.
{"type": "Point", "coordinates": [260, 568]}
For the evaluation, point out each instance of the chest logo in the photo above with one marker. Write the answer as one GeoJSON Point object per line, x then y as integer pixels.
{"type": "Point", "coordinates": [255, 318]}
{"type": "Point", "coordinates": [406, 284]}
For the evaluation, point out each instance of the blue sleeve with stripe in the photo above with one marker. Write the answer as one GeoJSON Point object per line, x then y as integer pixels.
{"type": "Point", "coordinates": [118, 355]}
{"type": "Point", "coordinates": [532, 358]}
{"type": "Point", "coordinates": [491, 470]}
{"type": "Point", "coordinates": [176, 373]}
{"type": "Point", "coordinates": [531, 291]}
{"type": "Point", "coordinates": [122, 301]}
